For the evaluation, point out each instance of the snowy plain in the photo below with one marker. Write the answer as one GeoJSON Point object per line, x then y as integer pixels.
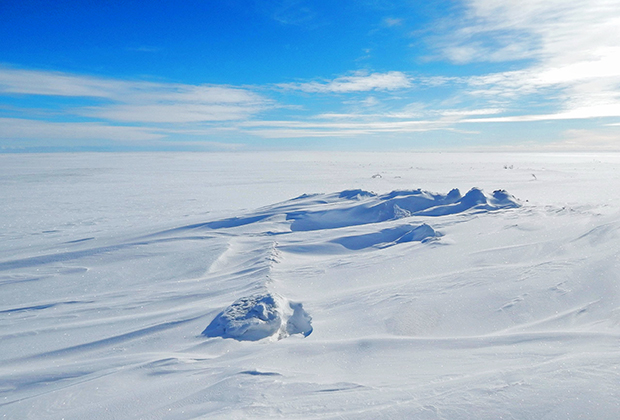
{"type": "Point", "coordinates": [310, 285]}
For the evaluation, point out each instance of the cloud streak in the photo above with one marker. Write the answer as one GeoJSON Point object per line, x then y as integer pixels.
{"type": "Point", "coordinates": [17, 128]}
{"type": "Point", "coordinates": [345, 126]}
{"type": "Point", "coordinates": [138, 101]}
{"type": "Point", "coordinates": [357, 82]}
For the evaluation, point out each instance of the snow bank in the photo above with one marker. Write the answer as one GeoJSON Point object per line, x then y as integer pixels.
{"type": "Point", "coordinates": [256, 317]}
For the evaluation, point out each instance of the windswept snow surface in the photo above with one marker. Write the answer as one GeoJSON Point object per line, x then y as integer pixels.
{"type": "Point", "coordinates": [302, 285]}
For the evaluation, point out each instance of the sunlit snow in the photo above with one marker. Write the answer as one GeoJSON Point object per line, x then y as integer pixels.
{"type": "Point", "coordinates": [302, 285]}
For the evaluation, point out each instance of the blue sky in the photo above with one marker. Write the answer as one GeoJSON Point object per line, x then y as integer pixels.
{"type": "Point", "coordinates": [320, 75]}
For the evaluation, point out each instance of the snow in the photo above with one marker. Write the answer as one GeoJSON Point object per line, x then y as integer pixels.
{"type": "Point", "coordinates": [301, 285]}
{"type": "Point", "coordinates": [260, 316]}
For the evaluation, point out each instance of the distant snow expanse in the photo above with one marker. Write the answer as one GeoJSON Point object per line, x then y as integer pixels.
{"type": "Point", "coordinates": [310, 285]}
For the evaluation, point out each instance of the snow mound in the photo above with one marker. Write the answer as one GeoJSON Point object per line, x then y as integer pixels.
{"type": "Point", "coordinates": [260, 316]}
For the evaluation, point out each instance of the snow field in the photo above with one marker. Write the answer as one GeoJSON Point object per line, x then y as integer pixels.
{"type": "Point", "coordinates": [477, 306]}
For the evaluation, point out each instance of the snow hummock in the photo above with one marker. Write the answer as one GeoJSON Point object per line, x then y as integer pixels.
{"type": "Point", "coordinates": [260, 316]}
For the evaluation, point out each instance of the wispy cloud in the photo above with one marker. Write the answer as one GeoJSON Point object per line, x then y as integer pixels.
{"type": "Point", "coordinates": [17, 128]}
{"type": "Point", "coordinates": [341, 126]}
{"type": "Point", "coordinates": [145, 49]}
{"type": "Point", "coordinates": [391, 21]}
{"type": "Point", "coordinates": [572, 53]}
{"type": "Point", "coordinates": [584, 140]}
{"type": "Point", "coordinates": [32, 82]}
{"type": "Point", "coordinates": [291, 12]}
{"type": "Point", "coordinates": [48, 83]}
{"type": "Point", "coordinates": [534, 29]}
{"type": "Point", "coordinates": [124, 110]}
{"type": "Point", "coordinates": [171, 113]}
{"type": "Point", "coordinates": [137, 101]}
{"type": "Point", "coordinates": [357, 82]}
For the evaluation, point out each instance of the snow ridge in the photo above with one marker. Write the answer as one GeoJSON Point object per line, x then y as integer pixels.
{"type": "Point", "coordinates": [267, 314]}
{"type": "Point", "coordinates": [358, 207]}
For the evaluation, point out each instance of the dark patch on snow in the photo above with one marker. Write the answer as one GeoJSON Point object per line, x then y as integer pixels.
{"type": "Point", "coordinates": [80, 240]}
{"type": "Point", "coordinates": [257, 373]}
{"type": "Point", "coordinates": [43, 306]}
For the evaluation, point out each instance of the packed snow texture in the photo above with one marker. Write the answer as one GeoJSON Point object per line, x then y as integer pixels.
{"type": "Point", "coordinates": [200, 289]}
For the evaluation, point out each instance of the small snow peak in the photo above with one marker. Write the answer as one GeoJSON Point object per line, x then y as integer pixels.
{"type": "Point", "coordinates": [304, 196]}
{"type": "Point", "coordinates": [454, 194]}
{"type": "Point", "coordinates": [355, 194]}
{"type": "Point", "coordinates": [503, 198]}
{"type": "Point", "coordinates": [401, 193]}
{"type": "Point", "coordinates": [474, 196]}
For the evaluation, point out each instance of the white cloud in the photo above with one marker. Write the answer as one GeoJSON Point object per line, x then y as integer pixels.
{"type": "Point", "coordinates": [413, 113]}
{"type": "Point", "coordinates": [345, 127]}
{"type": "Point", "coordinates": [138, 101]}
{"type": "Point", "coordinates": [357, 82]}
{"type": "Point", "coordinates": [580, 139]}
{"type": "Point", "coordinates": [172, 113]}
{"type": "Point", "coordinates": [572, 48]}
{"type": "Point", "coordinates": [32, 82]}
{"type": "Point", "coordinates": [600, 111]}
{"type": "Point", "coordinates": [291, 12]}
{"type": "Point", "coordinates": [390, 21]}
{"type": "Point", "coordinates": [17, 128]}
{"type": "Point", "coordinates": [553, 30]}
